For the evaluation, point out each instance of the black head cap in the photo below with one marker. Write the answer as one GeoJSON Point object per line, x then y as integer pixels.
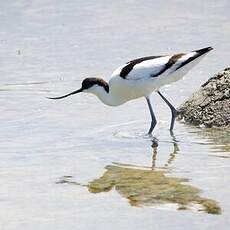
{"type": "Point", "coordinates": [89, 82]}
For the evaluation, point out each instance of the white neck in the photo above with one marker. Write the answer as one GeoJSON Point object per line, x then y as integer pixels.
{"type": "Point", "coordinates": [108, 98]}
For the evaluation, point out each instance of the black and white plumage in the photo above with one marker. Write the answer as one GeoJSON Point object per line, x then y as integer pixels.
{"type": "Point", "coordinates": [140, 77]}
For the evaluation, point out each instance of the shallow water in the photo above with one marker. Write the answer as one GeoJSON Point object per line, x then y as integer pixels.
{"type": "Point", "coordinates": [52, 151]}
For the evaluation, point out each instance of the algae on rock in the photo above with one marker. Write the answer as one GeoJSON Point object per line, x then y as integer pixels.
{"type": "Point", "coordinates": [209, 106]}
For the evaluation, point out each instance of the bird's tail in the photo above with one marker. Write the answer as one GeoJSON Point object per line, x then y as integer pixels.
{"type": "Point", "coordinates": [186, 62]}
{"type": "Point", "coordinates": [192, 57]}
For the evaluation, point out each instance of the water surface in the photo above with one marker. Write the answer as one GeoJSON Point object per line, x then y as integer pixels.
{"type": "Point", "coordinates": [52, 151]}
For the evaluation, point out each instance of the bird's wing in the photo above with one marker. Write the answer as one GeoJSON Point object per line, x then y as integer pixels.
{"type": "Point", "coordinates": [154, 66]}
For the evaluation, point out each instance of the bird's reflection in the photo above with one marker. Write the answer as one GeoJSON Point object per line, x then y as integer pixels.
{"type": "Point", "coordinates": [151, 186]}
{"type": "Point", "coordinates": [154, 146]}
{"type": "Point", "coordinates": [172, 155]}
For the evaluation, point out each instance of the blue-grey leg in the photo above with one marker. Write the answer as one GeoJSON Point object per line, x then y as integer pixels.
{"type": "Point", "coordinates": [173, 111]}
{"type": "Point", "coordinates": [154, 121]}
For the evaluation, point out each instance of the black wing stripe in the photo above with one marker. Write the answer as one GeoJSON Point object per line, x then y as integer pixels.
{"type": "Point", "coordinates": [126, 70]}
{"type": "Point", "coordinates": [169, 64]}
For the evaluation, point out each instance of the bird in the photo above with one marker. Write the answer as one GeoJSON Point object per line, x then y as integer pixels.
{"type": "Point", "coordinates": [139, 78]}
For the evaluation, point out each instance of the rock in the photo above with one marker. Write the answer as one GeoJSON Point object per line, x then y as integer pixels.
{"type": "Point", "coordinates": [210, 105]}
